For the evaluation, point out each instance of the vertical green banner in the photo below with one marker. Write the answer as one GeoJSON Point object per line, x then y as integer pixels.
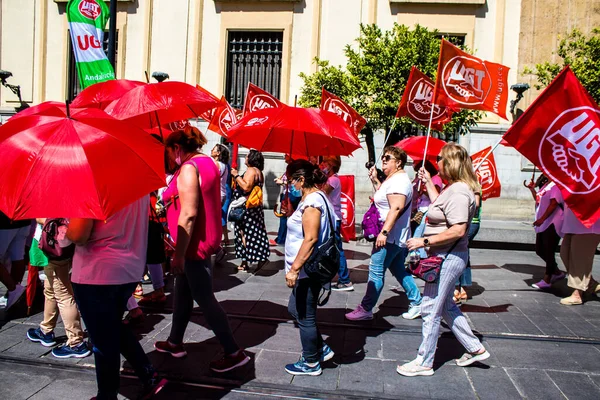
{"type": "Point", "coordinates": [87, 20]}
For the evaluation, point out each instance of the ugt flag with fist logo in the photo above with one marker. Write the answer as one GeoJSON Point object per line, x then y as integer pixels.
{"type": "Point", "coordinates": [487, 173]}
{"type": "Point", "coordinates": [560, 133]}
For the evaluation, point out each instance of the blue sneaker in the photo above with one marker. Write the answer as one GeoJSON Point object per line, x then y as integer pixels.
{"type": "Point", "coordinates": [302, 368]}
{"type": "Point", "coordinates": [326, 353]}
{"type": "Point", "coordinates": [79, 351]}
{"type": "Point", "coordinates": [36, 335]}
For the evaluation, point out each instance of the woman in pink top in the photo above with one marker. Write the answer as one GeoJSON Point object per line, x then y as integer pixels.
{"type": "Point", "coordinates": [191, 199]}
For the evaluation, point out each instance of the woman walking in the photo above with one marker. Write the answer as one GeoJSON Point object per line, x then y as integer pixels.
{"type": "Point", "coordinates": [308, 227]}
{"type": "Point", "coordinates": [446, 235]}
{"type": "Point", "coordinates": [193, 195]}
{"type": "Point", "coordinates": [251, 240]}
{"type": "Point", "coordinates": [220, 154]}
{"type": "Point", "coordinates": [548, 225]}
{"type": "Point", "coordinates": [392, 199]}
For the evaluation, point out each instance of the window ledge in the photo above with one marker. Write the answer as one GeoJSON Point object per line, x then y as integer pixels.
{"type": "Point", "coordinates": [453, 2]}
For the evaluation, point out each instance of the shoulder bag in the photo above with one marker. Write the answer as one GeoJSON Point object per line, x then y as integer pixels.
{"type": "Point", "coordinates": [428, 269]}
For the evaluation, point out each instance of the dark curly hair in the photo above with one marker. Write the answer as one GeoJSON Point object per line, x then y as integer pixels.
{"type": "Point", "coordinates": [256, 159]}
{"type": "Point", "coordinates": [223, 153]}
{"type": "Point", "coordinates": [311, 173]}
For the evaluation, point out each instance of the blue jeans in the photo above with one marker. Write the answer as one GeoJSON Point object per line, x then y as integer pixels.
{"type": "Point", "coordinates": [391, 256]}
{"type": "Point", "coordinates": [465, 279]}
{"type": "Point", "coordinates": [282, 232]}
{"type": "Point", "coordinates": [102, 308]}
{"type": "Point", "coordinates": [343, 273]}
{"type": "Point", "coordinates": [303, 307]}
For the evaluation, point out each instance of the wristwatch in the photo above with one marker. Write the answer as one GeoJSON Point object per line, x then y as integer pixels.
{"type": "Point", "coordinates": [384, 232]}
{"type": "Point", "coordinates": [426, 242]}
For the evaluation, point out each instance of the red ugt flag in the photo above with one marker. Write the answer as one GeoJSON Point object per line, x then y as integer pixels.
{"type": "Point", "coordinates": [224, 117]}
{"type": "Point", "coordinates": [257, 99]}
{"type": "Point", "coordinates": [416, 102]}
{"type": "Point", "coordinates": [207, 115]}
{"type": "Point", "coordinates": [470, 82]}
{"type": "Point", "coordinates": [330, 102]}
{"type": "Point", "coordinates": [560, 134]}
{"type": "Point", "coordinates": [348, 215]}
{"type": "Point", "coordinates": [487, 173]}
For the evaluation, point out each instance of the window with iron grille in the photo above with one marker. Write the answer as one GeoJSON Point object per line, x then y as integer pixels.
{"type": "Point", "coordinates": [455, 39]}
{"type": "Point", "coordinates": [74, 86]}
{"type": "Point", "coordinates": [253, 56]}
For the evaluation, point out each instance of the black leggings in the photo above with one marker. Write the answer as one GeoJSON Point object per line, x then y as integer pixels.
{"type": "Point", "coordinates": [546, 243]}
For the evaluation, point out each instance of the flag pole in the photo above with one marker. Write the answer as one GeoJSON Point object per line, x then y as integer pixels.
{"type": "Point", "coordinates": [387, 137]}
{"type": "Point", "coordinates": [488, 154]}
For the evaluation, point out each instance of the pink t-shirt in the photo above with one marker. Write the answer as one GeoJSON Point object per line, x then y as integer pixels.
{"type": "Point", "coordinates": [115, 253]}
{"type": "Point", "coordinates": [206, 237]}
{"type": "Point", "coordinates": [547, 193]}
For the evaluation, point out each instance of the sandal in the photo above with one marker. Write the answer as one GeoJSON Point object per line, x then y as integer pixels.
{"type": "Point", "coordinates": [243, 267]}
{"type": "Point", "coordinates": [153, 299]}
{"type": "Point", "coordinates": [139, 292]}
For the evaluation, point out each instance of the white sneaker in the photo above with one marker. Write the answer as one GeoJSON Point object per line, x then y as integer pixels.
{"type": "Point", "coordinates": [3, 301]}
{"type": "Point", "coordinates": [414, 368]}
{"type": "Point", "coordinates": [413, 312]}
{"type": "Point", "coordinates": [42, 276]}
{"type": "Point", "coordinates": [14, 296]}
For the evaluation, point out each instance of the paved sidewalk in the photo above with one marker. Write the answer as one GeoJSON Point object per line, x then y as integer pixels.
{"type": "Point", "coordinates": [539, 348]}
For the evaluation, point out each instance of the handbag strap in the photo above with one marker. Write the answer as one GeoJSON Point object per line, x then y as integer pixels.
{"type": "Point", "coordinates": [331, 229]}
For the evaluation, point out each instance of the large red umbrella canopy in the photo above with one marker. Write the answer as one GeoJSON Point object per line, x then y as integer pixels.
{"type": "Point", "coordinates": [101, 94]}
{"type": "Point", "coordinates": [297, 131]}
{"type": "Point", "coordinates": [88, 165]}
{"type": "Point", "coordinates": [414, 146]}
{"type": "Point", "coordinates": [156, 104]}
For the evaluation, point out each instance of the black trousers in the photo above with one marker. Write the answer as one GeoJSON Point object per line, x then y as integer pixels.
{"type": "Point", "coordinates": [546, 243]}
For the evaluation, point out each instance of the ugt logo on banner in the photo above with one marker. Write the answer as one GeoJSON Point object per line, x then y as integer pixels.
{"type": "Point", "coordinates": [258, 99]}
{"type": "Point", "coordinates": [348, 213]}
{"type": "Point", "coordinates": [487, 173]}
{"type": "Point", "coordinates": [90, 9]}
{"type": "Point", "coordinates": [560, 133]}
{"type": "Point", "coordinates": [572, 143]}
{"type": "Point", "coordinates": [330, 102]}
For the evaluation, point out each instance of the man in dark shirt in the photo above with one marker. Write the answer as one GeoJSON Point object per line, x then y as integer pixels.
{"type": "Point", "coordinates": [13, 236]}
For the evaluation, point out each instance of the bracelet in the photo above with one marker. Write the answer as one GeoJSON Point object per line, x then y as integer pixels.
{"type": "Point", "coordinates": [235, 177]}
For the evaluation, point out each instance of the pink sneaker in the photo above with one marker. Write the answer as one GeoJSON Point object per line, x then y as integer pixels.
{"type": "Point", "coordinates": [541, 285]}
{"type": "Point", "coordinates": [360, 314]}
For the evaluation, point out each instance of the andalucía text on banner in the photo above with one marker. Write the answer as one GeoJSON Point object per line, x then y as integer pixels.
{"type": "Point", "coordinates": [224, 117]}
{"type": "Point", "coordinates": [470, 82]}
{"type": "Point", "coordinates": [560, 134]}
{"type": "Point", "coordinates": [87, 20]}
{"type": "Point", "coordinates": [257, 99]}
{"type": "Point", "coordinates": [487, 173]}
{"type": "Point", "coordinates": [330, 102]}
{"type": "Point", "coordinates": [348, 211]}
{"type": "Point", "coordinates": [417, 103]}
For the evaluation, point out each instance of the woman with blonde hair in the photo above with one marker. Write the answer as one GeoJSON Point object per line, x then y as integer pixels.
{"type": "Point", "coordinates": [445, 235]}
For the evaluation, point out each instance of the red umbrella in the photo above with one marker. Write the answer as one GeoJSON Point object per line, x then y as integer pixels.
{"type": "Point", "coordinates": [414, 146]}
{"type": "Point", "coordinates": [100, 95]}
{"type": "Point", "coordinates": [293, 130]}
{"type": "Point", "coordinates": [156, 104]}
{"type": "Point", "coordinates": [85, 165]}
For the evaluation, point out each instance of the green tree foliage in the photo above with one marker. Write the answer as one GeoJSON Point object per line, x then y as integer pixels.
{"type": "Point", "coordinates": [375, 76]}
{"type": "Point", "coordinates": [582, 53]}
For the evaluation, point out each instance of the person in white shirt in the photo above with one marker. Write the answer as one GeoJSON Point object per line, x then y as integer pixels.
{"type": "Point", "coordinates": [392, 199]}
{"type": "Point", "coordinates": [577, 253]}
{"type": "Point", "coordinates": [333, 188]}
{"type": "Point", "coordinates": [548, 223]}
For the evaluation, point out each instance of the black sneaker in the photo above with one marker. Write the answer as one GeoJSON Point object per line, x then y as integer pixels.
{"type": "Point", "coordinates": [80, 351]}
{"type": "Point", "coordinates": [342, 287]}
{"type": "Point", "coordinates": [153, 386]}
{"type": "Point", "coordinates": [36, 335]}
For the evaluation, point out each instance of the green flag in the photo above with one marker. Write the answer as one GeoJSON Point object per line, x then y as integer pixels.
{"type": "Point", "coordinates": [87, 19]}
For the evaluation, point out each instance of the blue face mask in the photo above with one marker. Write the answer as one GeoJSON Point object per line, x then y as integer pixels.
{"type": "Point", "coordinates": [295, 191]}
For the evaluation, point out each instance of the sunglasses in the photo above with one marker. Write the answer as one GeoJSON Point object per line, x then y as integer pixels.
{"type": "Point", "coordinates": [439, 158]}
{"type": "Point", "coordinates": [387, 158]}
